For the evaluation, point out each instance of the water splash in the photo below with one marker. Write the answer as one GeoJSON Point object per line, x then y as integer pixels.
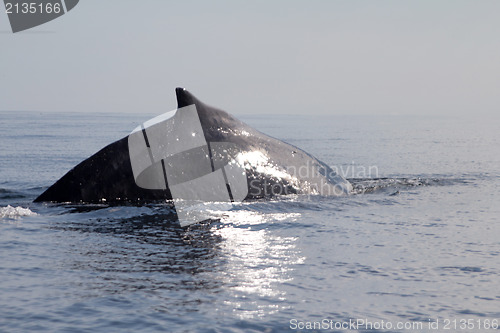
{"type": "Point", "coordinates": [370, 185]}
{"type": "Point", "coordinates": [13, 213]}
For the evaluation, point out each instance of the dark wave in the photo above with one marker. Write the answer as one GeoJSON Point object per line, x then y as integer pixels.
{"type": "Point", "coordinates": [11, 194]}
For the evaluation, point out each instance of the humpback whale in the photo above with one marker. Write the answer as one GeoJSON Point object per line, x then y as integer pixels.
{"type": "Point", "coordinates": [195, 152]}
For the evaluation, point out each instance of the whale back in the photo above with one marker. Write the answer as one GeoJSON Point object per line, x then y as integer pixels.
{"type": "Point", "coordinates": [272, 167]}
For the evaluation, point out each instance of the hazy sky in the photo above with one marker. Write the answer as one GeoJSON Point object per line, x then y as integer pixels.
{"type": "Point", "coordinates": [324, 57]}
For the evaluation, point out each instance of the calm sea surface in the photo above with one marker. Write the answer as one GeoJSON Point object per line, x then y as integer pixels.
{"type": "Point", "coordinates": [417, 243]}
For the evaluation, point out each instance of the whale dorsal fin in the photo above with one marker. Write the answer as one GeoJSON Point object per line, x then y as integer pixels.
{"type": "Point", "coordinates": [185, 98]}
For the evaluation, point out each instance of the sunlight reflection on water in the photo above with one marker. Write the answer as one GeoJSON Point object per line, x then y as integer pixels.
{"type": "Point", "coordinates": [258, 261]}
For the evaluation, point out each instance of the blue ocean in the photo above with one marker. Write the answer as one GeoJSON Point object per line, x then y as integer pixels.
{"type": "Point", "coordinates": [415, 246]}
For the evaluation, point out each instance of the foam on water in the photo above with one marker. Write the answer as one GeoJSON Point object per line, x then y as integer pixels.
{"type": "Point", "coordinates": [10, 212]}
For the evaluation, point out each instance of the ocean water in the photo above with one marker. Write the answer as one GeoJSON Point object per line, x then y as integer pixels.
{"type": "Point", "coordinates": [415, 247]}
